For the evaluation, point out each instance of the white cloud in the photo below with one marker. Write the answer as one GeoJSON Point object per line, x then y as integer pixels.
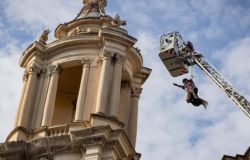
{"type": "Point", "coordinates": [33, 16]}
{"type": "Point", "coordinates": [236, 60]}
{"type": "Point", "coordinates": [11, 81]}
{"type": "Point", "coordinates": [209, 9]}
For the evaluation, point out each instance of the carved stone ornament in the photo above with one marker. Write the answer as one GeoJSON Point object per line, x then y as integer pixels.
{"type": "Point", "coordinates": [136, 91]}
{"type": "Point", "coordinates": [25, 75]}
{"type": "Point", "coordinates": [138, 49]}
{"type": "Point", "coordinates": [102, 4]}
{"type": "Point", "coordinates": [86, 61]}
{"type": "Point", "coordinates": [55, 69]}
{"type": "Point", "coordinates": [44, 37]}
{"type": "Point", "coordinates": [33, 70]}
{"type": "Point", "coordinates": [119, 58]}
{"type": "Point", "coordinates": [118, 22]}
{"type": "Point", "coordinates": [95, 6]}
{"type": "Point", "coordinates": [107, 56]}
{"type": "Point", "coordinates": [64, 32]}
{"type": "Point", "coordinates": [43, 71]}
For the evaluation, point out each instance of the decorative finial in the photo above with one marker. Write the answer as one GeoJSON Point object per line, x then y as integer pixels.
{"type": "Point", "coordinates": [93, 8]}
{"type": "Point", "coordinates": [118, 22]}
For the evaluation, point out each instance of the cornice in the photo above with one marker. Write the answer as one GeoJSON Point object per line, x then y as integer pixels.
{"type": "Point", "coordinates": [134, 57]}
{"type": "Point", "coordinates": [108, 119]}
{"type": "Point", "coordinates": [144, 74]}
{"type": "Point", "coordinates": [76, 141]}
{"type": "Point", "coordinates": [106, 137]}
{"type": "Point", "coordinates": [86, 25]}
{"type": "Point", "coordinates": [70, 42]}
{"type": "Point", "coordinates": [34, 49]}
{"type": "Point", "coordinates": [116, 36]}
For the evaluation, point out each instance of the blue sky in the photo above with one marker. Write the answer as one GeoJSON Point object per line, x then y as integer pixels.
{"type": "Point", "coordinates": [169, 128]}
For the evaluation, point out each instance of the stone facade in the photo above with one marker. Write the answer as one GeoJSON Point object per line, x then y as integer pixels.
{"type": "Point", "coordinates": [246, 156]}
{"type": "Point", "coordinates": [80, 92]}
{"type": "Point", "coordinates": [71, 142]}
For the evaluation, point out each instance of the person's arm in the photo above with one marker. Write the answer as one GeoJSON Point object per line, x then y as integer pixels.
{"type": "Point", "coordinates": [180, 86]}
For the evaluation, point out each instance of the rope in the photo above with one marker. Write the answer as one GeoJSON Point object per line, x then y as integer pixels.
{"type": "Point", "coordinates": [191, 72]}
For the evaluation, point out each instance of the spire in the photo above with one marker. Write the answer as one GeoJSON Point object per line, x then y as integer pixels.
{"type": "Point", "coordinates": [92, 8]}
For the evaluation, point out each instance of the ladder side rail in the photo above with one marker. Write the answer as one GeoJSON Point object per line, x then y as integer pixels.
{"type": "Point", "coordinates": [224, 84]}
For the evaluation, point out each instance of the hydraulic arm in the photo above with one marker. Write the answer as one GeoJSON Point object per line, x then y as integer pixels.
{"type": "Point", "coordinates": [177, 56]}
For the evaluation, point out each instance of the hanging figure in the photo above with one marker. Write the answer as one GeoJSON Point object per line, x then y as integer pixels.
{"type": "Point", "coordinates": [192, 93]}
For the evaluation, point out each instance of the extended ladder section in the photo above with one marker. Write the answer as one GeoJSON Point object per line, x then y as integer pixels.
{"type": "Point", "coordinates": [188, 57]}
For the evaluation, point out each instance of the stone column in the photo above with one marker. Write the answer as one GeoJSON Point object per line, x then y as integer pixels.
{"type": "Point", "coordinates": [25, 79]}
{"type": "Point", "coordinates": [103, 84]}
{"type": "Point", "coordinates": [136, 91]}
{"type": "Point", "coordinates": [51, 95]}
{"type": "Point", "coordinates": [41, 96]}
{"type": "Point", "coordinates": [116, 87]}
{"type": "Point", "coordinates": [83, 90]}
{"type": "Point", "coordinates": [24, 116]}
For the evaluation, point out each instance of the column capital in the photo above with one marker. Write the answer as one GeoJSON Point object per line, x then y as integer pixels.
{"type": "Point", "coordinates": [86, 62]}
{"type": "Point", "coordinates": [33, 70]}
{"type": "Point", "coordinates": [106, 56]}
{"type": "Point", "coordinates": [136, 91]}
{"type": "Point", "coordinates": [43, 71]}
{"type": "Point", "coordinates": [119, 58]}
{"type": "Point", "coordinates": [25, 75]}
{"type": "Point", "coordinates": [55, 69]}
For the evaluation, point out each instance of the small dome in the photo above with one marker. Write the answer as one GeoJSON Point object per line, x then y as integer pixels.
{"type": "Point", "coordinates": [90, 19]}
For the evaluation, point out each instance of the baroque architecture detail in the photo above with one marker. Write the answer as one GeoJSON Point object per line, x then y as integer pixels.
{"type": "Point", "coordinates": [55, 69]}
{"type": "Point", "coordinates": [25, 75]}
{"type": "Point", "coordinates": [77, 101]}
{"type": "Point", "coordinates": [118, 58]}
{"type": "Point", "coordinates": [44, 37]}
{"type": "Point", "coordinates": [33, 70]}
{"type": "Point", "coordinates": [245, 156]}
{"type": "Point", "coordinates": [107, 56]}
{"type": "Point", "coordinates": [86, 62]}
{"type": "Point", "coordinates": [136, 92]}
{"type": "Point", "coordinates": [93, 8]}
{"type": "Point", "coordinates": [43, 71]}
{"type": "Point", "coordinates": [118, 22]}
{"type": "Point", "coordinates": [96, 5]}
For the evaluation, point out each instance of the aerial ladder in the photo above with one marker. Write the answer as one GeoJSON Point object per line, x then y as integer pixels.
{"type": "Point", "coordinates": [177, 57]}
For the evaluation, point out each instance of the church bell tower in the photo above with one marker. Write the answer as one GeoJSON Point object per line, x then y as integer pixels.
{"type": "Point", "coordinates": [80, 93]}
